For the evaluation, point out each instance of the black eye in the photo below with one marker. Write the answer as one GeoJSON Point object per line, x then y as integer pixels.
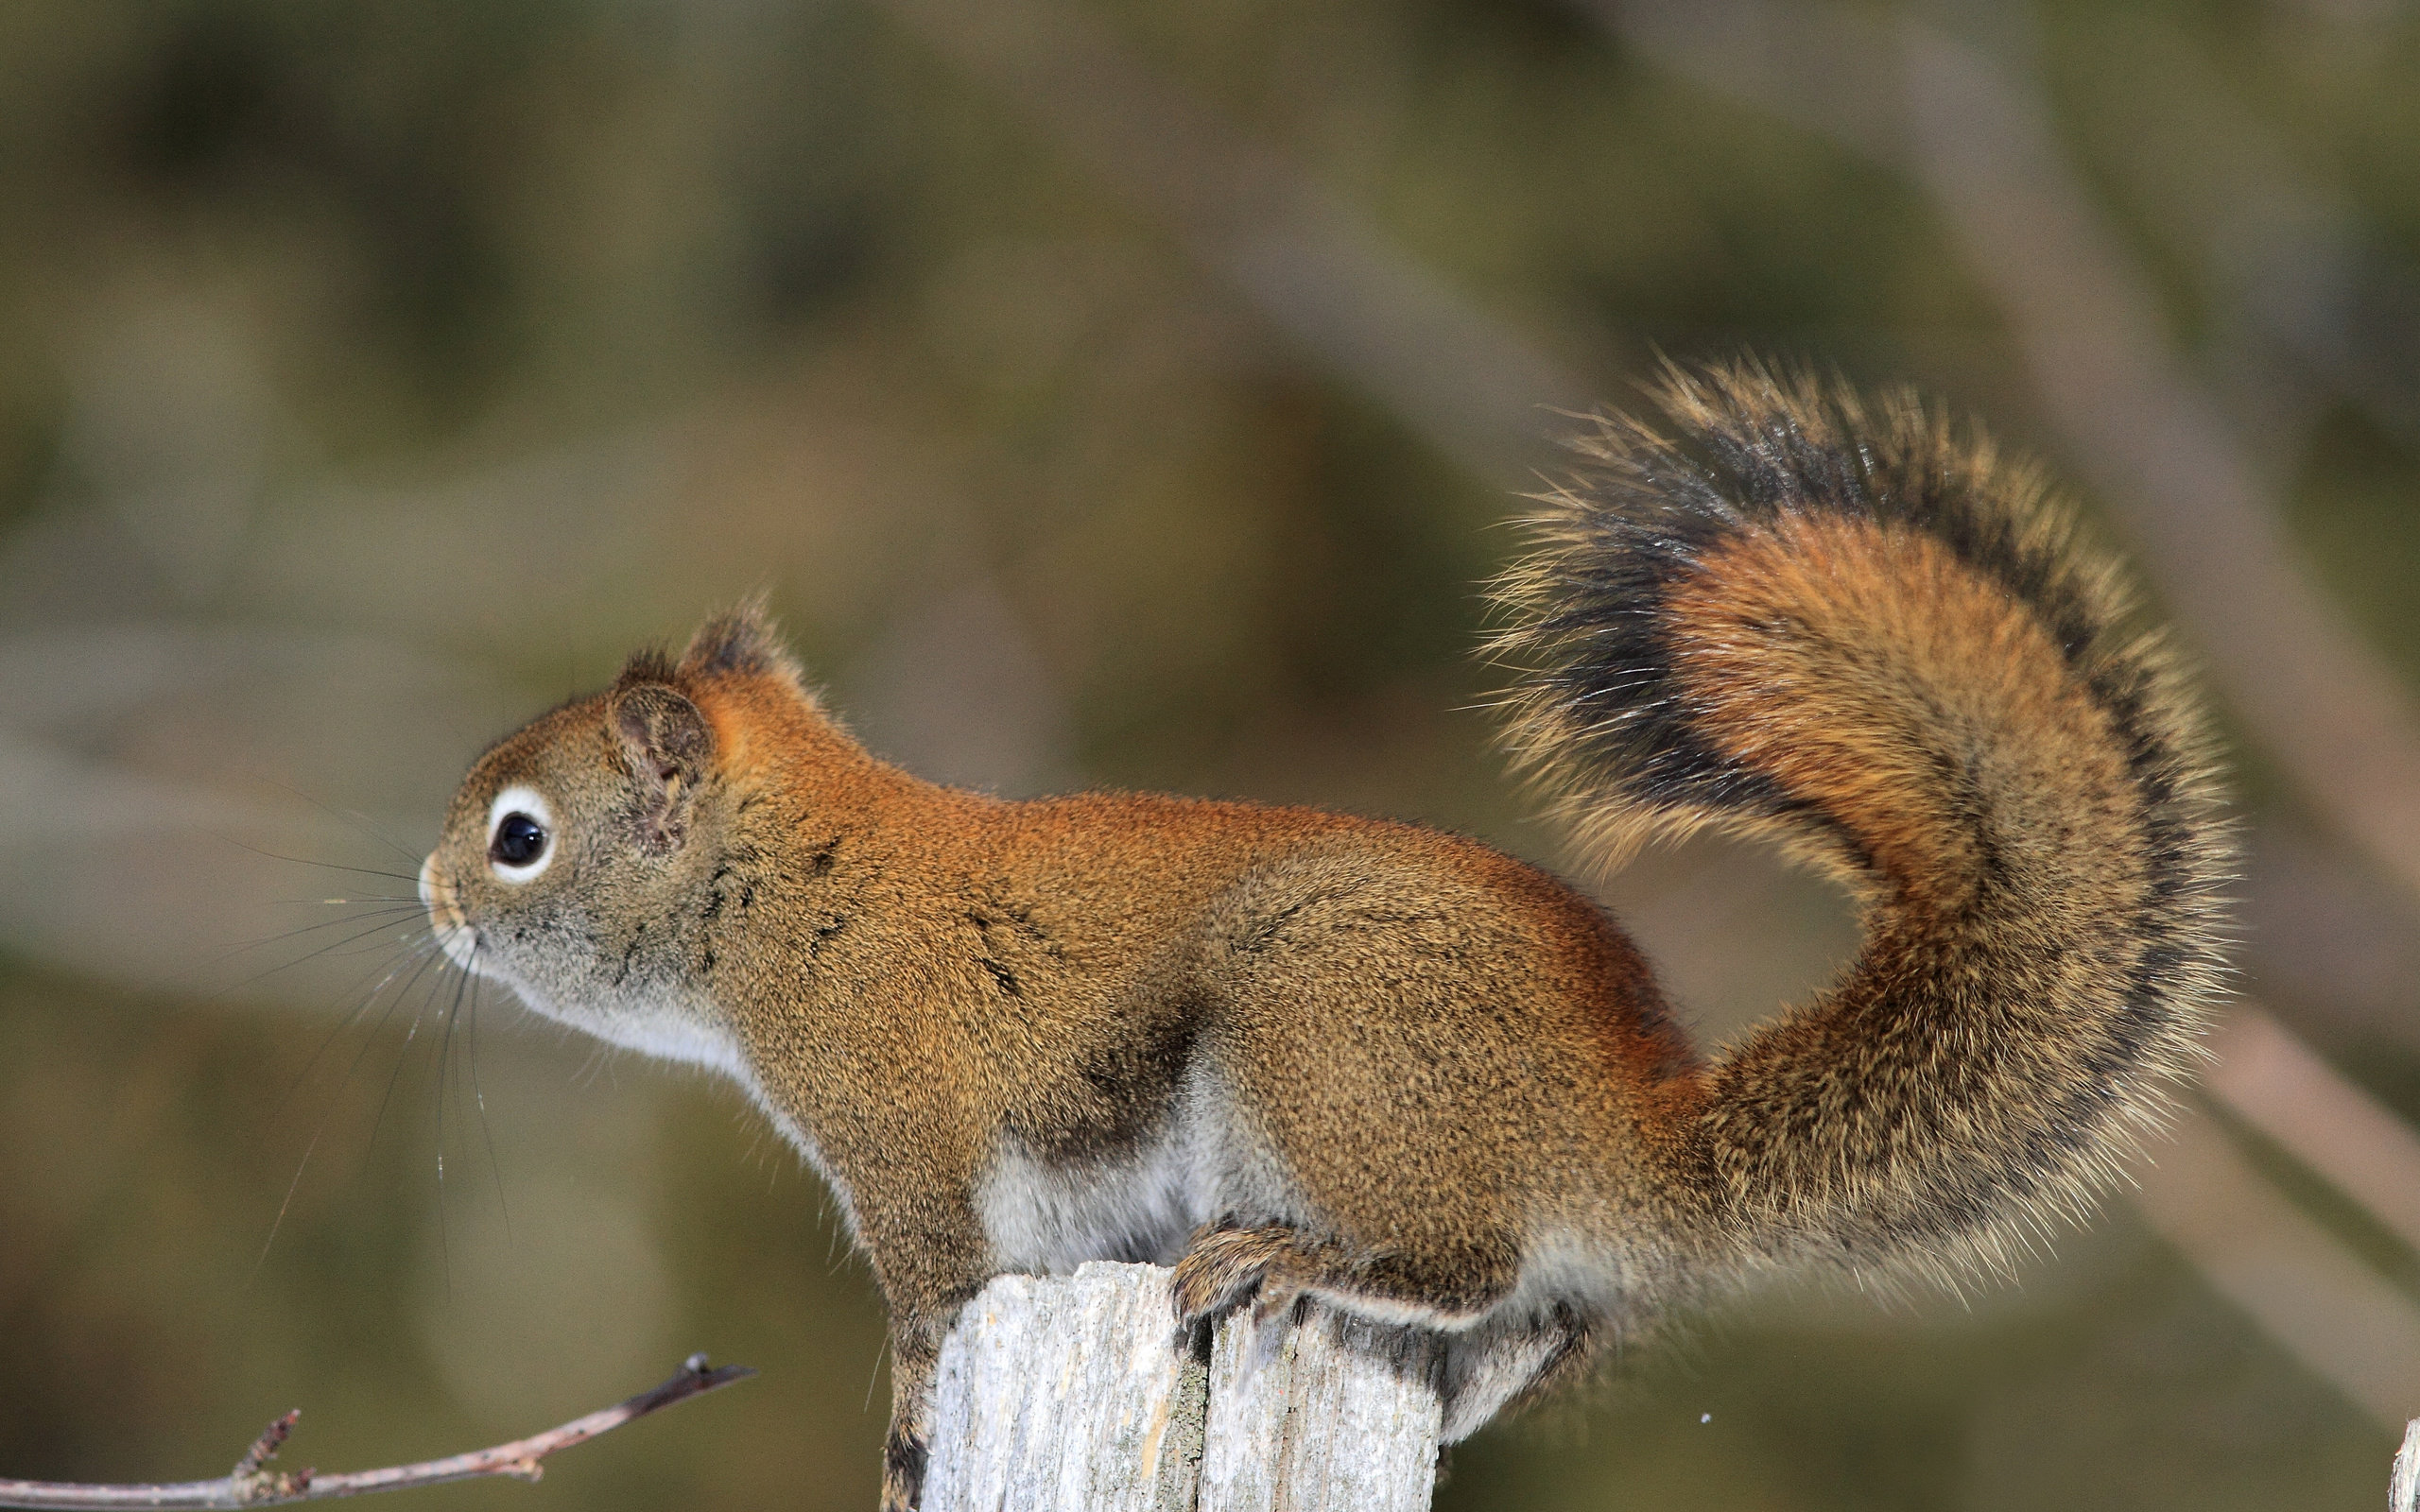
{"type": "Point", "coordinates": [519, 840]}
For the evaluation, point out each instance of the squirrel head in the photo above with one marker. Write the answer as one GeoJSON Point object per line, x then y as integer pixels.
{"type": "Point", "coordinates": [577, 853]}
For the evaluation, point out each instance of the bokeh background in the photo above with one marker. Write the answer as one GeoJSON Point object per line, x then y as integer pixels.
{"type": "Point", "coordinates": [1120, 394]}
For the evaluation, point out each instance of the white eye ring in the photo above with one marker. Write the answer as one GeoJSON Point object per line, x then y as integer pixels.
{"type": "Point", "coordinates": [524, 800]}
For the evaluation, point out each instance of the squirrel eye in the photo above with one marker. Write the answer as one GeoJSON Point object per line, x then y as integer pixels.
{"type": "Point", "coordinates": [519, 840]}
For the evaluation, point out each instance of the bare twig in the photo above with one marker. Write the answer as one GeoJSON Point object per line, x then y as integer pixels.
{"type": "Point", "coordinates": [253, 1483]}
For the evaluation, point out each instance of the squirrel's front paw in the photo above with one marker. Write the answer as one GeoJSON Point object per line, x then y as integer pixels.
{"type": "Point", "coordinates": [903, 1470]}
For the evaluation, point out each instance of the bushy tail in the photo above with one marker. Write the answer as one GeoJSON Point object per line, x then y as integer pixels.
{"type": "Point", "coordinates": [1852, 630]}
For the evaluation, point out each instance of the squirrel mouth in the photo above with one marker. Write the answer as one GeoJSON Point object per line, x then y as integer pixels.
{"type": "Point", "coordinates": [453, 934]}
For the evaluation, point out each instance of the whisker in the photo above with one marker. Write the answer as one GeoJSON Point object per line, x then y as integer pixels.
{"type": "Point", "coordinates": [368, 1001]}
{"type": "Point", "coordinates": [363, 946]}
{"type": "Point", "coordinates": [329, 866]}
{"type": "Point", "coordinates": [380, 927]}
{"type": "Point", "coordinates": [353, 816]}
{"type": "Point", "coordinates": [486, 1134]}
{"type": "Point", "coordinates": [403, 1057]}
{"type": "Point", "coordinates": [278, 1224]}
{"type": "Point", "coordinates": [444, 1065]}
{"type": "Point", "coordinates": [386, 915]}
{"type": "Point", "coordinates": [291, 1187]}
{"type": "Point", "coordinates": [876, 1374]}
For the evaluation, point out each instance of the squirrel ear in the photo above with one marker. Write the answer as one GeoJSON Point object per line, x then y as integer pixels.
{"type": "Point", "coordinates": [668, 744]}
{"type": "Point", "coordinates": [744, 640]}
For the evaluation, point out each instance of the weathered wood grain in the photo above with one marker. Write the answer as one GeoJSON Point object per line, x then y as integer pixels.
{"type": "Point", "coordinates": [1323, 1413]}
{"type": "Point", "coordinates": [1067, 1392]}
{"type": "Point", "coordinates": [1075, 1393]}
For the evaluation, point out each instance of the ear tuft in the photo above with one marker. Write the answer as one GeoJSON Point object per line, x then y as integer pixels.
{"type": "Point", "coordinates": [743, 641]}
{"type": "Point", "coordinates": [651, 666]}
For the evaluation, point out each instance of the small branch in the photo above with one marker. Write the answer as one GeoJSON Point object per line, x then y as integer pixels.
{"type": "Point", "coordinates": [264, 1448]}
{"type": "Point", "coordinates": [253, 1483]}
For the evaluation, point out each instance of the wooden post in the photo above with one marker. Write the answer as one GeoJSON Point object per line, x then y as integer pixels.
{"type": "Point", "coordinates": [2403, 1492]}
{"type": "Point", "coordinates": [1076, 1394]}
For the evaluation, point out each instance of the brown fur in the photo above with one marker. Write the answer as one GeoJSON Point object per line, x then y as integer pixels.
{"type": "Point", "coordinates": [1301, 1054]}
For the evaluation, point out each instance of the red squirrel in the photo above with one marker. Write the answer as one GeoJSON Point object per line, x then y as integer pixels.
{"type": "Point", "coordinates": [1300, 1054]}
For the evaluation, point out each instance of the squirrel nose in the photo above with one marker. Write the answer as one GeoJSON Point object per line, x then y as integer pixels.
{"type": "Point", "coordinates": [453, 936]}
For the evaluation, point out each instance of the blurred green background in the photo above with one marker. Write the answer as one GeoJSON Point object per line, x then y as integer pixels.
{"type": "Point", "coordinates": [1106, 394]}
